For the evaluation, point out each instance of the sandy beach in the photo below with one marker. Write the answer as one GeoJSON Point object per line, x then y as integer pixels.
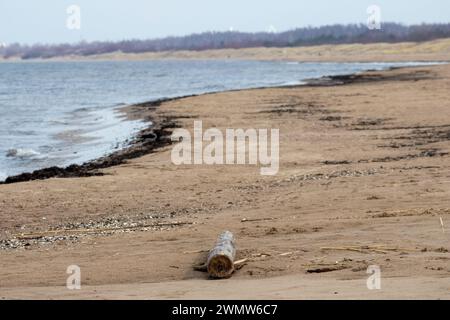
{"type": "Point", "coordinates": [364, 179]}
{"type": "Point", "coordinates": [436, 50]}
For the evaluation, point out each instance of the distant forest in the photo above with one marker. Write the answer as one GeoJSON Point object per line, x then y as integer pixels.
{"type": "Point", "coordinates": [332, 34]}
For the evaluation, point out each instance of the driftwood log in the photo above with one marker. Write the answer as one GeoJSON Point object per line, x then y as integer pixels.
{"type": "Point", "coordinates": [220, 262]}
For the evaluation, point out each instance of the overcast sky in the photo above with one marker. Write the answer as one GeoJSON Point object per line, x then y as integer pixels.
{"type": "Point", "coordinates": [30, 21]}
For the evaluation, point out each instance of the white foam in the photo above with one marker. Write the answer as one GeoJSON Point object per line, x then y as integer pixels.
{"type": "Point", "coordinates": [3, 176]}
{"type": "Point", "coordinates": [22, 153]}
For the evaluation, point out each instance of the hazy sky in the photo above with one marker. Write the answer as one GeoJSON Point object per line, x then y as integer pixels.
{"type": "Point", "coordinates": [30, 21]}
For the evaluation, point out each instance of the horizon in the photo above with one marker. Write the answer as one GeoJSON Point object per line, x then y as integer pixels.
{"type": "Point", "coordinates": [46, 22]}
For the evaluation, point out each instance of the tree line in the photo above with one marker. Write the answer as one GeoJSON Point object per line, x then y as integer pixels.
{"type": "Point", "coordinates": [308, 36]}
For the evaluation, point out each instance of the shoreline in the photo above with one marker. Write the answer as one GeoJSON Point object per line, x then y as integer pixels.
{"type": "Point", "coordinates": [144, 142]}
{"type": "Point", "coordinates": [157, 135]}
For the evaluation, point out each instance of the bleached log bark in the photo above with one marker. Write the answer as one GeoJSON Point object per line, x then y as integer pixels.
{"type": "Point", "coordinates": [220, 263]}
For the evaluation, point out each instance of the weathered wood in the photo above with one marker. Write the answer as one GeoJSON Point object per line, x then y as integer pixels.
{"type": "Point", "coordinates": [220, 262]}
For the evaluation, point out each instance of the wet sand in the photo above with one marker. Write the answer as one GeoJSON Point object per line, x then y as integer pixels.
{"type": "Point", "coordinates": [364, 180]}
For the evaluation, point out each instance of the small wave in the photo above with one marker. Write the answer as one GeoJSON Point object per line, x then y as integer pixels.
{"type": "Point", "coordinates": [292, 83]}
{"type": "Point", "coordinates": [22, 153]}
{"type": "Point", "coordinates": [57, 121]}
{"type": "Point", "coordinates": [82, 109]}
{"type": "Point", "coordinates": [3, 176]}
{"type": "Point", "coordinates": [23, 133]}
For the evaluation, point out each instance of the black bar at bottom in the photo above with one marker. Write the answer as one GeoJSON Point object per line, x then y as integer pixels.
{"type": "Point", "coordinates": [224, 309]}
